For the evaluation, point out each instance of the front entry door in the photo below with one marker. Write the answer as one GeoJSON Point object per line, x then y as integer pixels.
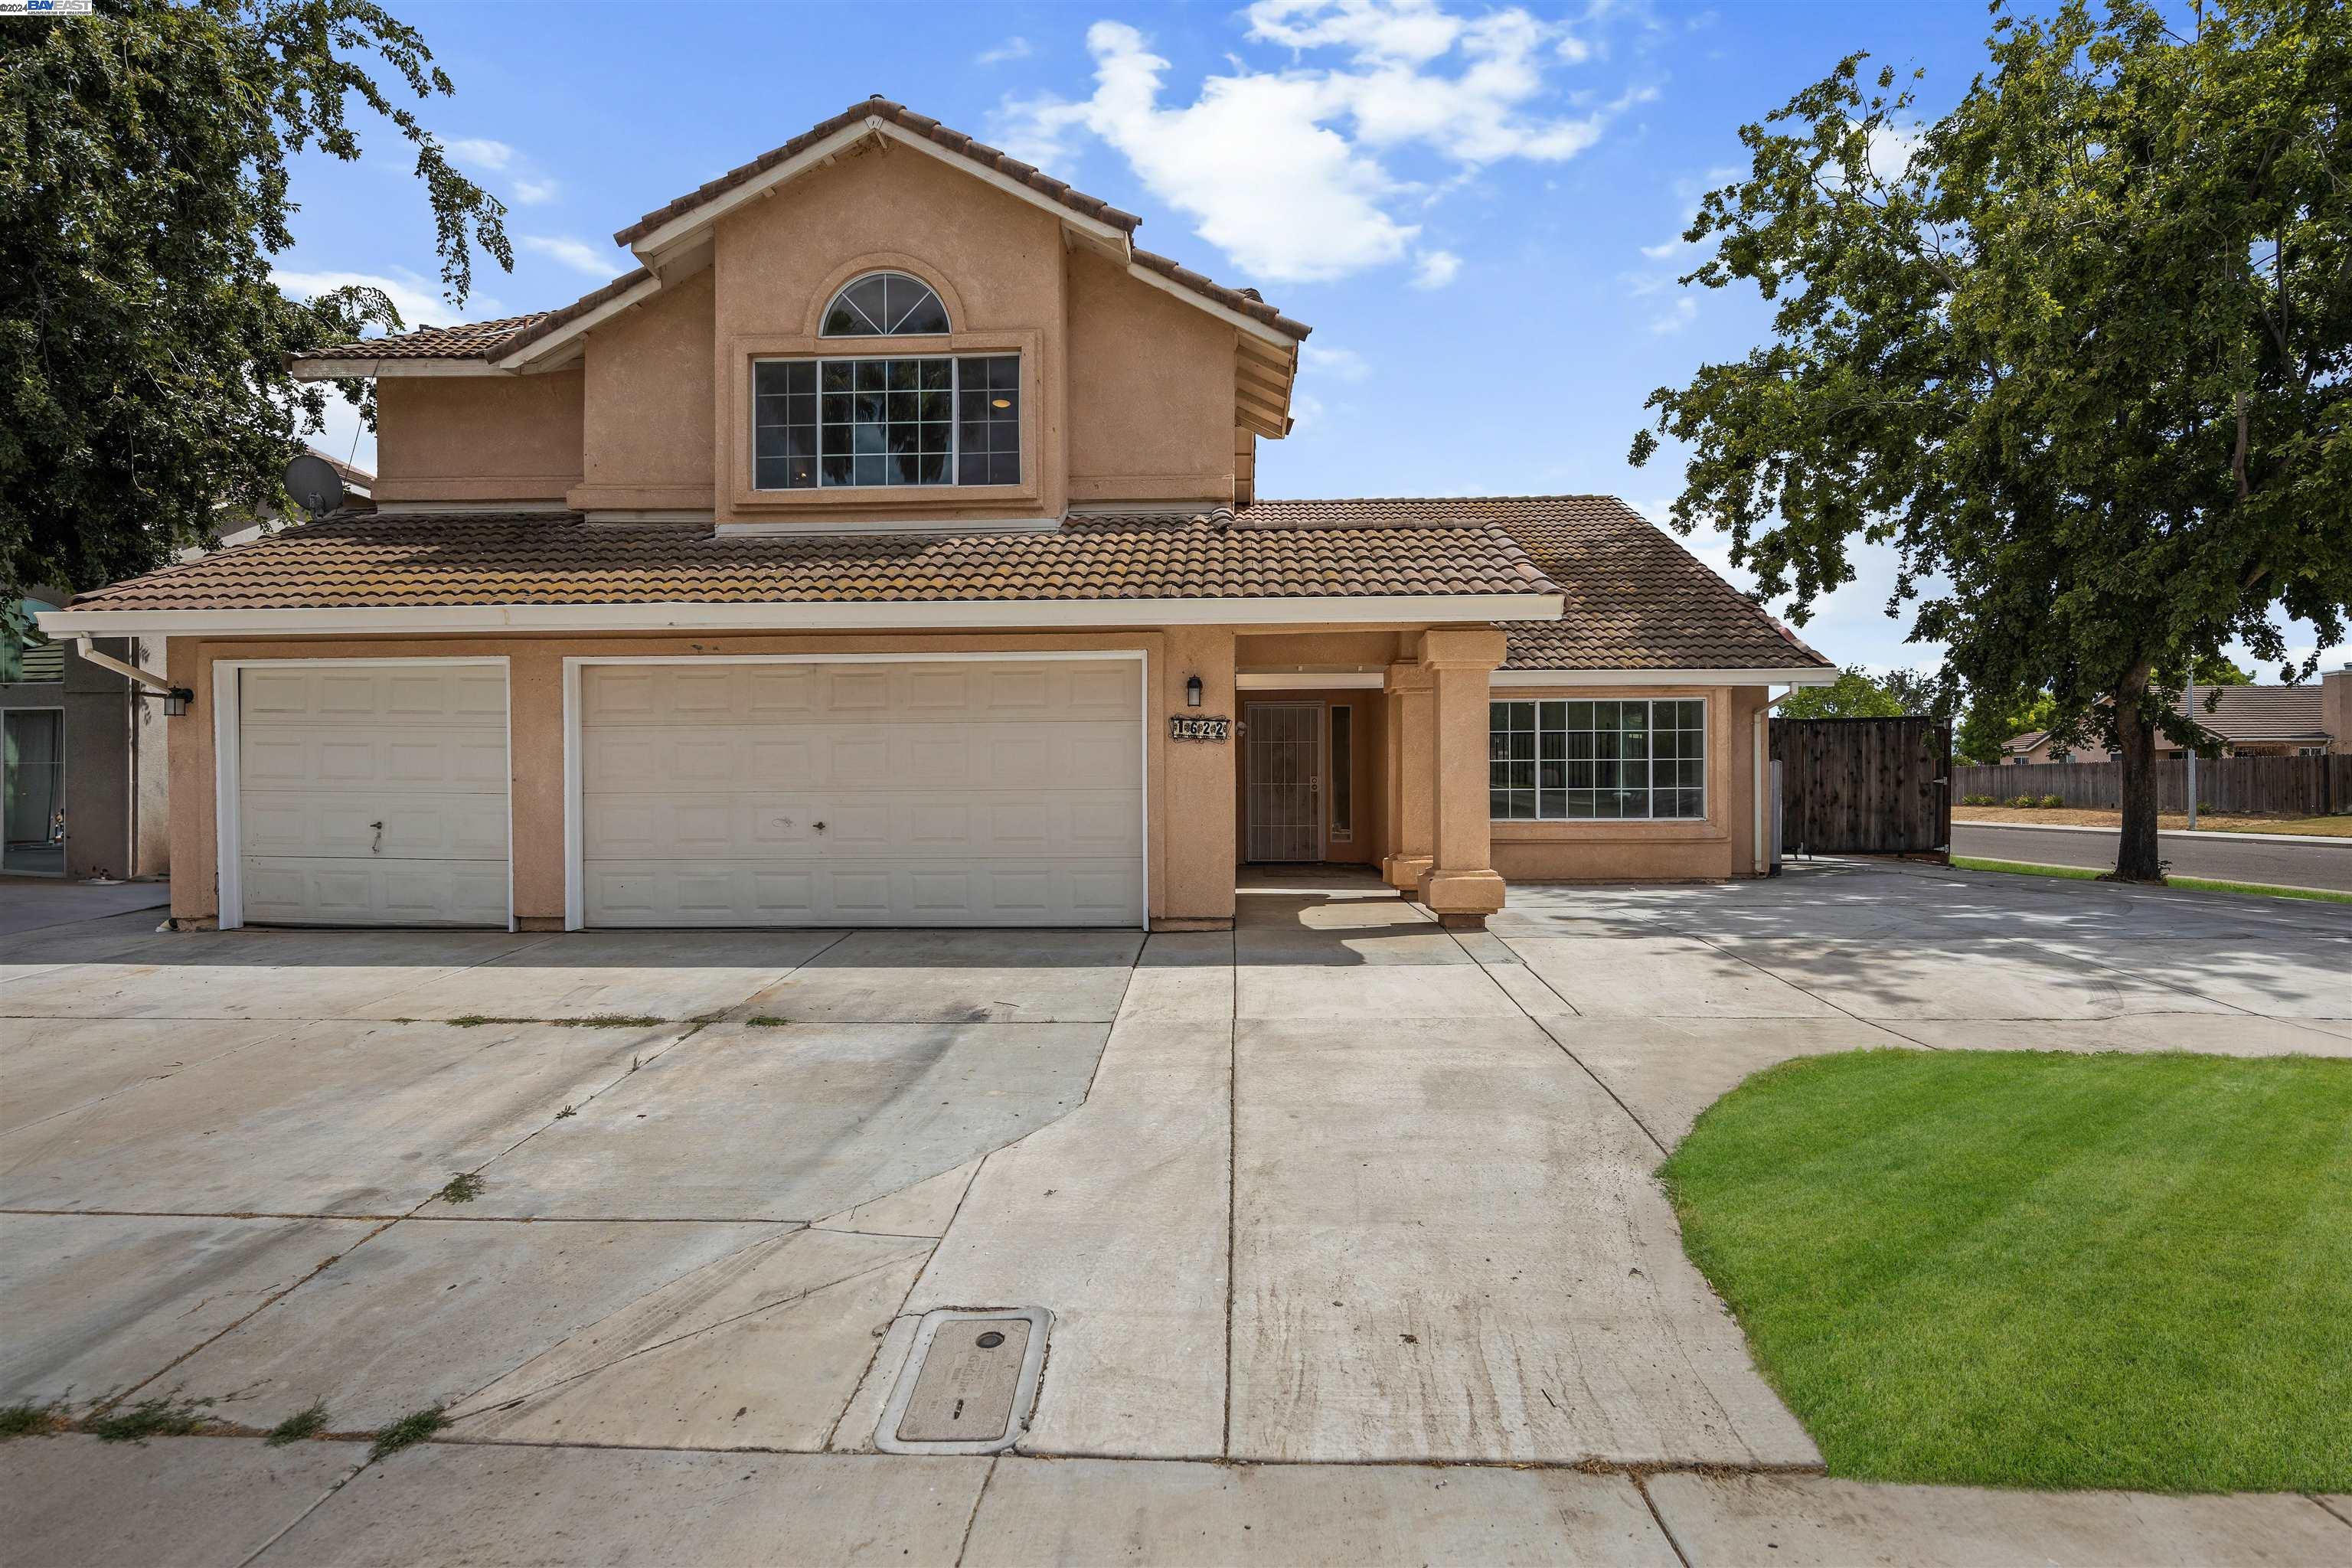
{"type": "Point", "coordinates": [1285, 754]}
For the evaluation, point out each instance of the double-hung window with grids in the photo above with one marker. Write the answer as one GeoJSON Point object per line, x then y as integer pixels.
{"type": "Point", "coordinates": [1568, 760]}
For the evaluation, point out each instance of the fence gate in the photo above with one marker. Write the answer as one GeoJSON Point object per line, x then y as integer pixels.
{"type": "Point", "coordinates": [1864, 786]}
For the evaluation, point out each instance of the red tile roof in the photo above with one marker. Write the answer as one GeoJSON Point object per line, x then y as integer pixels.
{"type": "Point", "coordinates": [366, 560]}
{"type": "Point", "coordinates": [1635, 599]}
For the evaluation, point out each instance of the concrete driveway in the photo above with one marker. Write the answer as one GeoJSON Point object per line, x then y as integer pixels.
{"type": "Point", "coordinates": [1340, 1189]}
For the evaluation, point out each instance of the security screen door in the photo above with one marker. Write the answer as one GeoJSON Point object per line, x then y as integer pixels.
{"type": "Point", "coordinates": [1286, 787]}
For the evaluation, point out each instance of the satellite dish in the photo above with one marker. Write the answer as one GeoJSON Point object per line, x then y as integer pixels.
{"type": "Point", "coordinates": [313, 483]}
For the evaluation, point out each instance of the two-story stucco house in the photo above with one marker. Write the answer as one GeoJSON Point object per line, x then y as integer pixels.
{"type": "Point", "coordinates": [886, 548]}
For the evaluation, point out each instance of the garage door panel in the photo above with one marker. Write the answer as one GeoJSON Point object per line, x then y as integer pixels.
{"type": "Point", "coordinates": [293, 891]}
{"type": "Point", "coordinates": [422, 825]}
{"type": "Point", "coordinates": [273, 758]}
{"type": "Point", "coordinates": [686, 827]}
{"type": "Point", "coordinates": [912, 757]}
{"type": "Point", "coordinates": [372, 795]}
{"type": "Point", "coordinates": [920, 892]}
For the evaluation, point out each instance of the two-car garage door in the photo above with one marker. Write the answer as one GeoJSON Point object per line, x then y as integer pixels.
{"type": "Point", "coordinates": [858, 792]}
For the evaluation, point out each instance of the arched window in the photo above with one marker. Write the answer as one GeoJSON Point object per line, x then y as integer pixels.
{"type": "Point", "coordinates": [884, 305]}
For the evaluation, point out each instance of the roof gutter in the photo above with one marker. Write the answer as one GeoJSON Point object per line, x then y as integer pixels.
{"type": "Point", "coordinates": [823, 615]}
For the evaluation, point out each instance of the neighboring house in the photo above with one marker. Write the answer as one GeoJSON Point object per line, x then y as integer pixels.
{"type": "Point", "coordinates": [2312, 721]}
{"type": "Point", "coordinates": [886, 548]}
{"type": "Point", "coordinates": [82, 762]}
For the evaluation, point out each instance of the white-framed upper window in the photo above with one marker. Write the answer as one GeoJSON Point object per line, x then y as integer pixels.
{"type": "Point", "coordinates": [1568, 760]}
{"type": "Point", "coordinates": [884, 305]}
{"type": "Point", "coordinates": [945, 419]}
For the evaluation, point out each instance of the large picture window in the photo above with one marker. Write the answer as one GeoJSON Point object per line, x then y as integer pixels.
{"type": "Point", "coordinates": [1575, 760]}
{"type": "Point", "coordinates": [931, 420]}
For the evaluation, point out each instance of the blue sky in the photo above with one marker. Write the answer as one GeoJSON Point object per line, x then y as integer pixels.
{"type": "Point", "coordinates": [1478, 208]}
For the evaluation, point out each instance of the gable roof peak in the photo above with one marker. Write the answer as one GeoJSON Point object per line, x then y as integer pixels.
{"type": "Point", "coordinates": [920, 126]}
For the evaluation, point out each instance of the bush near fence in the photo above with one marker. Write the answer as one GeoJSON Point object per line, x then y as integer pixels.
{"type": "Point", "coordinates": [2280, 786]}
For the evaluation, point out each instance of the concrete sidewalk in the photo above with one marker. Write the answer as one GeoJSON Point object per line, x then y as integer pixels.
{"type": "Point", "coordinates": [196, 1500]}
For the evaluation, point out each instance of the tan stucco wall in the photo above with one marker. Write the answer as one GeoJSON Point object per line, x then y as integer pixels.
{"type": "Point", "coordinates": [1721, 846]}
{"type": "Point", "coordinates": [649, 408]}
{"type": "Point", "coordinates": [995, 260]}
{"type": "Point", "coordinates": [1129, 389]}
{"type": "Point", "coordinates": [479, 438]}
{"type": "Point", "coordinates": [1151, 390]}
{"type": "Point", "coordinates": [1190, 847]}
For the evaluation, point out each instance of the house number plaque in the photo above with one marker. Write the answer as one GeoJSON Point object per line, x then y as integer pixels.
{"type": "Point", "coordinates": [1188, 727]}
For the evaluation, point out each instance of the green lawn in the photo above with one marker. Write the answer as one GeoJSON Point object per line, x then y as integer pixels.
{"type": "Point", "coordinates": [2043, 1269]}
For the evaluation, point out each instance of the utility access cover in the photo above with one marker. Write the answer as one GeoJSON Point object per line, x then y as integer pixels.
{"type": "Point", "coordinates": [969, 1382]}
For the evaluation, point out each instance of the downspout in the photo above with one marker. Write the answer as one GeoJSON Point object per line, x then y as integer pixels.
{"type": "Point", "coordinates": [130, 672]}
{"type": "Point", "coordinates": [1760, 852]}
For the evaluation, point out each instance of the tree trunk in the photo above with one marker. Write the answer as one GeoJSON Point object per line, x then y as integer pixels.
{"type": "Point", "coordinates": [2137, 855]}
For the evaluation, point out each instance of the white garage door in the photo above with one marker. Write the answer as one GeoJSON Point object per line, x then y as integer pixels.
{"type": "Point", "coordinates": [372, 795]}
{"type": "Point", "coordinates": [969, 793]}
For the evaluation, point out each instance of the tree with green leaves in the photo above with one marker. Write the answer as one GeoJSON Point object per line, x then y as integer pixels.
{"type": "Point", "coordinates": [143, 168]}
{"type": "Point", "coordinates": [2078, 350]}
{"type": "Point", "coordinates": [1854, 694]}
{"type": "Point", "coordinates": [1992, 718]}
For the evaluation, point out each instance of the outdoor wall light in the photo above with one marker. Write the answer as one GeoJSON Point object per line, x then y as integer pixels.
{"type": "Point", "coordinates": [176, 700]}
{"type": "Point", "coordinates": [1192, 692]}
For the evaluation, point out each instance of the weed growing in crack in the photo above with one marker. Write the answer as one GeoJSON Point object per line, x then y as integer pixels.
{"type": "Point", "coordinates": [306, 1422]}
{"type": "Point", "coordinates": [594, 1021]}
{"type": "Point", "coordinates": [567, 1110]}
{"type": "Point", "coordinates": [766, 1021]}
{"type": "Point", "coordinates": [162, 1418]}
{"type": "Point", "coordinates": [410, 1429]}
{"type": "Point", "coordinates": [463, 1188]}
{"type": "Point", "coordinates": [30, 1420]}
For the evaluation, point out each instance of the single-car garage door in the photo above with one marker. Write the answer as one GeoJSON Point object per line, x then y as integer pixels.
{"type": "Point", "coordinates": [966, 793]}
{"type": "Point", "coordinates": [372, 795]}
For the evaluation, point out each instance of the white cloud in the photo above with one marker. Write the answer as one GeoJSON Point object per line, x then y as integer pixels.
{"type": "Point", "coordinates": [1681, 314]}
{"type": "Point", "coordinates": [1435, 269]}
{"type": "Point", "coordinates": [481, 152]}
{"type": "Point", "coordinates": [576, 254]}
{"type": "Point", "coordinates": [1339, 364]}
{"type": "Point", "coordinates": [525, 185]}
{"type": "Point", "coordinates": [1891, 148]}
{"type": "Point", "coordinates": [1014, 49]}
{"type": "Point", "coordinates": [413, 295]}
{"type": "Point", "coordinates": [1284, 170]}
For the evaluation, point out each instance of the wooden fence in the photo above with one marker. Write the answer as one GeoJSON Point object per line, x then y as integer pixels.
{"type": "Point", "coordinates": [1864, 786]}
{"type": "Point", "coordinates": [2290, 787]}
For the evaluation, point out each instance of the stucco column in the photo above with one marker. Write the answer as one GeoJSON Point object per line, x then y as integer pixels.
{"type": "Point", "coordinates": [1193, 845]}
{"type": "Point", "coordinates": [1408, 819]}
{"type": "Point", "coordinates": [535, 782]}
{"type": "Point", "coordinates": [1461, 885]}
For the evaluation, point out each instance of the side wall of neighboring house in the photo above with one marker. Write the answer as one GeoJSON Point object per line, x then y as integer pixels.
{"type": "Point", "coordinates": [116, 775]}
